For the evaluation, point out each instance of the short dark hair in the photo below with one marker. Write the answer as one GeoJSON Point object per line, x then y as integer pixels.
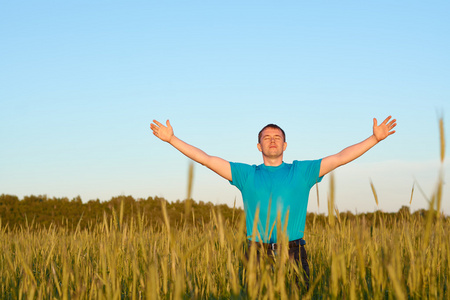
{"type": "Point", "coordinates": [271, 126]}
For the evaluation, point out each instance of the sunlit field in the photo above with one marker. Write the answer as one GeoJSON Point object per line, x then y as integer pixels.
{"type": "Point", "coordinates": [399, 256]}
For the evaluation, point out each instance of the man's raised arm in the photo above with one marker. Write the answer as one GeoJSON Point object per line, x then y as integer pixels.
{"type": "Point", "coordinates": [380, 132]}
{"type": "Point", "coordinates": [216, 164]}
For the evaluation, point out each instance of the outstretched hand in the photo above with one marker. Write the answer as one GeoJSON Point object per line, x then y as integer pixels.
{"type": "Point", "coordinates": [165, 133]}
{"type": "Point", "coordinates": [383, 130]}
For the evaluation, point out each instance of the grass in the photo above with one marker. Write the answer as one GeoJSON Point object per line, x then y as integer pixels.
{"type": "Point", "coordinates": [395, 259]}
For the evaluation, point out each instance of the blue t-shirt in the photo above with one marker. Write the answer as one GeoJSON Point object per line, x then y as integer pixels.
{"type": "Point", "coordinates": [285, 187]}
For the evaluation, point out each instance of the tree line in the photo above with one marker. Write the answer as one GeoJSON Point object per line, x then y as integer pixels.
{"type": "Point", "coordinates": [41, 210]}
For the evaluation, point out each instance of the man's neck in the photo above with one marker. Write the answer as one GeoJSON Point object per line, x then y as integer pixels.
{"type": "Point", "coordinates": [273, 162]}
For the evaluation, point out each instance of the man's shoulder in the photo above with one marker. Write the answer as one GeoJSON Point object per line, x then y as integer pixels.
{"type": "Point", "coordinates": [306, 164]}
{"type": "Point", "coordinates": [308, 161]}
{"type": "Point", "coordinates": [242, 165]}
{"type": "Point", "coordinates": [240, 173]}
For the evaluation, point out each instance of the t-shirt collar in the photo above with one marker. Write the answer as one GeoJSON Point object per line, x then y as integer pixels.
{"type": "Point", "coordinates": [271, 168]}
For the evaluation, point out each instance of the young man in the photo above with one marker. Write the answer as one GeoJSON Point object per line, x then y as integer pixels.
{"type": "Point", "coordinates": [278, 190]}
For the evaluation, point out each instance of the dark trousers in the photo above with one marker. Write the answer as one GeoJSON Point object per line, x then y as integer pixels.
{"type": "Point", "coordinates": [297, 254]}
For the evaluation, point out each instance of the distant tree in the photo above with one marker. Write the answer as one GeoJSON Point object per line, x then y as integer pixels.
{"type": "Point", "coordinates": [77, 199]}
{"type": "Point", "coordinates": [404, 211]}
{"type": "Point", "coordinates": [8, 199]}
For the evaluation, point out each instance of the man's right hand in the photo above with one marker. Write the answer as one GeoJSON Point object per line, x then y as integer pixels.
{"type": "Point", "coordinates": [165, 133]}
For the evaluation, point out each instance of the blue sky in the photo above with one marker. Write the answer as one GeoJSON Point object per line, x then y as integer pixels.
{"type": "Point", "coordinates": [80, 83]}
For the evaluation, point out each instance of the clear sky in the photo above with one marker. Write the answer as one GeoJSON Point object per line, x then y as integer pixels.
{"type": "Point", "coordinates": [80, 82]}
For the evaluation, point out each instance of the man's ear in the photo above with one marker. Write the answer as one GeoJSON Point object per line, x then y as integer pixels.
{"type": "Point", "coordinates": [259, 147]}
{"type": "Point", "coordinates": [284, 146]}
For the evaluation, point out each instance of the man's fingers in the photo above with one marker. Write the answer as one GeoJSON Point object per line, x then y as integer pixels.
{"type": "Point", "coordinates": [392, 123]}
{"type": "Point", "coordinates": [157, 123]}
{"type": "Point", "coordinates": [168, 123]}
{"type": "Point", "coordinates": [386, 120]}
{"type": "Point", "coordinates": [154, 127]}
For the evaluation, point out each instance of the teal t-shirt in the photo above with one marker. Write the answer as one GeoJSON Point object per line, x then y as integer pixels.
{"type": "Point", "coordinates": [283, 189]}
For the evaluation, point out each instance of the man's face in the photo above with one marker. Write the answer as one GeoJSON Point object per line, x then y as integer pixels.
{"type": "Point", "coordinates": [272, 143]}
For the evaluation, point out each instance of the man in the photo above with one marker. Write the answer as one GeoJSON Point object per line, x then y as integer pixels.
{"type": "Point", "coordinates": [279, 191]}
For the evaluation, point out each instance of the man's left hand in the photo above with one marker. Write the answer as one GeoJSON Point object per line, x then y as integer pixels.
{"type": "Point", "coordinates": [383, 130]}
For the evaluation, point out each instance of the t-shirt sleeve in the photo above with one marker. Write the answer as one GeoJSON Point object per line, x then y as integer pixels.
{"type": "Point", "coordinates": [239, 174]}
{"type": "Point", "coordinates": [311, 170]}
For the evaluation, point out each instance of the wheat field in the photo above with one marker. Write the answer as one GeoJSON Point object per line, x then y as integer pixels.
{"type": "Point", "coordinates": [395, 259]}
